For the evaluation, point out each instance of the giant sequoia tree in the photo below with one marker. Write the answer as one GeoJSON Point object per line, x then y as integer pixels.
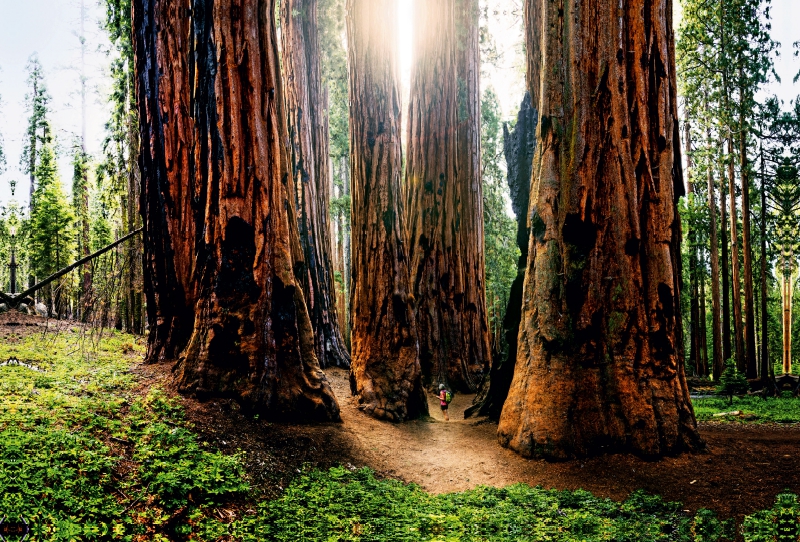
{"type": "Point", "coordinates": [307, 107]}
{"type": "Point", "coordinates": [221, 241]}
{"type": "Point", "coordinates": [385, 370]}
{"type": "Point", "coordinates": [600, 365]}
{"type": "Point", "coordinates": [443, 180]}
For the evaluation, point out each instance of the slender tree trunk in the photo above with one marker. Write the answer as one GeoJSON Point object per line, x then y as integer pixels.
{"type": "Point", "coordinates": [727, 350]}
{"type": "Point", "coordinates": [751, 365]}
{"type": "Point", "coordinates": [310, 157]}
{"type": "Point", "coordinates": [347, 252]}
{"type": "Point", "coordinates": [738, 332]}
{"type": "Point", "coordinates": [716, 323]}
{"type": "Point", "coordinates": [445, 196]}
{"type": "Point", "coordinates": [787, 292]}
{"type": "Point", "coordinates": [765, 361]}
{"type": "Point", "coordinates": [694, 297]}
{"type": "Point", "coordinates": [600, 359]}
{"type": "Point", "coordinates": [385, 371]}
{"type": "Point", "coordinates": [703, 359]}
{"type": "Point", "coordinates": [221, 239]}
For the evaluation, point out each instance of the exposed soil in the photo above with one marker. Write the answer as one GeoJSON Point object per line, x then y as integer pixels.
{"type": "Point", "coordinates": [742, 471]}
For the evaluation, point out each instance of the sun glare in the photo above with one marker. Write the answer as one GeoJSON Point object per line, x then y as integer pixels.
{"type": "Point", "coordinates": [404, 42]}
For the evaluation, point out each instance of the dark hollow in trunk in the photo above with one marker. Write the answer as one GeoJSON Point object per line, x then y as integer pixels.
{"type": "Point", "coordinates": [220, 240]}
{"type": "Point", "coordinates": [518, 147]}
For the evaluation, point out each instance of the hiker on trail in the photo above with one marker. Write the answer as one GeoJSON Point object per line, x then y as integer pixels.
{"type": "Point", "coordinates": [444, 398]}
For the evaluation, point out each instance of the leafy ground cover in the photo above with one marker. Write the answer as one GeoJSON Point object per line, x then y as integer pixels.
{"type": "Point", "coordinates": [87, 454]}
{"type": "Point", "coordinates": [784, 409]}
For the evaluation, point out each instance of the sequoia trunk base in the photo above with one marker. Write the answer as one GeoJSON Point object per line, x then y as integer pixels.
{"type": "Point", "coordinates": [600, 364]}
{"type": "Point", "coordinates": [221, 242]}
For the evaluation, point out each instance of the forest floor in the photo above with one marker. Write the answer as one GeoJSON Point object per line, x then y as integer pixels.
{"type": "Point", "coordinates": [744, 468]}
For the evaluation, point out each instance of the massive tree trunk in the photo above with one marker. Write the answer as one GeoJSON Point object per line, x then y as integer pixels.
{"type": "Point", "coordinates": [518, 147]}
{"type": "Point", "coordinates": [385, 370]}
{"type": "Point", "coordinates": [716, 323]}
{"type": "Point", "coordinates": [600, 364]}
{"type": "Point", "coordinates": [445, 195]}
{"type": "Point", "coordinates": [726, 285]}
{"type": "Point", "coordinates": [751, 365]}
{"type": "Point", "coordinates": [308, 133]}
{"type": "Point", "coordinates": [221, 242]}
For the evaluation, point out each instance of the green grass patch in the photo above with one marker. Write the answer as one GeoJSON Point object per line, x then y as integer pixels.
{"type": "Point", "coordinates": [784, 409]}
{"type": "Point", "coordinates": [84, 458]}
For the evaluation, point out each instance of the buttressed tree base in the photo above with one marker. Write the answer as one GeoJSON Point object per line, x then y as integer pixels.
{"type": "Point", "coordinates": [221, 238]}
{"type": "Point", "coordinates": [600, 364]}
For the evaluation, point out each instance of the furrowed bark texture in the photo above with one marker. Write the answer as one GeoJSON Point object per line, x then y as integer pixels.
{"type": "Point", "coordinates": [600, 365]}
{"type": "Point", "coordinates": [751, 362]}
{"type": "Point", "coordinates": [445, 196]}
{"type": "Point", "coordinates": [307, 107]}
{"type": "Point", "coordinates": [385, 370]}
{"type": "Point", "coordinates": [726, 261]}
{"type": "Point", "coordinates": [738, 330]}
{"type": "Point", "coordinates": [716, 322]}
{"type": "Point", "coordinates": [518, 147]}
{"type": "Point", "coordinates": [220, 234]}
{"type": "Point", "coordinates": [765, 361]}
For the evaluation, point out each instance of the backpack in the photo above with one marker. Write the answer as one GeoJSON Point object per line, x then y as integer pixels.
{"type": "Point", "coordinates": [447, 397]}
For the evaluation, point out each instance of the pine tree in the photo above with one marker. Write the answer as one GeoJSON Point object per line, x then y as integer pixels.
{"type": "Point", "coordinates": [37, 102]}
{"type": "Point", "coordinates": [52, 235]}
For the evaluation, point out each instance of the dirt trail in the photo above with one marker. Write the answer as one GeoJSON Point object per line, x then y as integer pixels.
{"type": "Point", "coordinates": [743, 470]}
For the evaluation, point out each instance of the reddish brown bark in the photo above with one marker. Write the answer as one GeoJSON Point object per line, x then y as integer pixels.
{"type": "Point", "coordinates": [751, 363]}
{"type": "Point", "coordinates": [445, 195]}
{"type": "Point", "coordinates": [716, 321]}
{"type": "Point", "coordinates": [307, 107]}
{"type": "Point", "coordinates": [221, 239]}
{"type": "Point", "coordinates": [600, 365]}
{"type": "Point", "coordinates": [738, 332]}
{"type": "Point", "coordinates": [385, 370]}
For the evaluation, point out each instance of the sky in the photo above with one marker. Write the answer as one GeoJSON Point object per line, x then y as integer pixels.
{"type": "Point", "coordinates": [49, 28]}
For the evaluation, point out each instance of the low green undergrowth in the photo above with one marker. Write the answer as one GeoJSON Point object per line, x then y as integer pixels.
{"type": "Point", "coordinates": [784, 409]}
{"type": "Point", "coordinates": [84, 457]}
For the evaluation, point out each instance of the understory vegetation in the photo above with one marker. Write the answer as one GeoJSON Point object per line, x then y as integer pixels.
{"type": "Point", "coordinates": [88, 453]}
{"type": "Point", "coordinates": [784, 409]}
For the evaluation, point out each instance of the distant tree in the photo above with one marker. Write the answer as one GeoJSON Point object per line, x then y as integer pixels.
{"type": "Point", "coordinates": [499, 228]}
{"type": "Point", "coordinates": [118, 177]}
{"type": "Point", "coordinates": [732, 382]}
{"type": "Point", "coordinates": [37, 103]}
{"type": "Point", "coordinates": [80, 206]}
{"type": "Point", "coordinates": [52, 235]}
{"type": "Point", "coordinates": [2, 150]}
{"type": "Point", "coordinates": [333, 63]}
